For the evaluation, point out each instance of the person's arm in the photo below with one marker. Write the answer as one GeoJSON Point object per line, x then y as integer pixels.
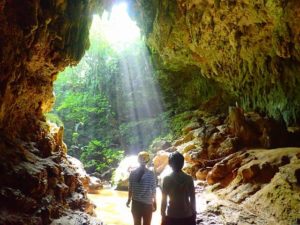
{"type": "Point", "coordinates": [192, 197]}
{"type": "Point", "coordinates": [129, 197]}
{"type": "Point", "coordinates": [163, 205]}
{"type": "Point", "coordinates": [129, 192]}
{"type": "Point", "coordinates": [153, 193]}
{"type": "Point", "coordinates": [163, 200]}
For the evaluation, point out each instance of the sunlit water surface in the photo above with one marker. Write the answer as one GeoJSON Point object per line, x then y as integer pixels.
{"type": "Point", "coordinates": [112, 210]}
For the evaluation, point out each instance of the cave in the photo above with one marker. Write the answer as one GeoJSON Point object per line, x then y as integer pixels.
{"type": "Point", "coordinates": [210, 55]}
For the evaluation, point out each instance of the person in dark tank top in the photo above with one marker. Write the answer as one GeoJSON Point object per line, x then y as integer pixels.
{"type": "Point", "coordinates": [178, 206]}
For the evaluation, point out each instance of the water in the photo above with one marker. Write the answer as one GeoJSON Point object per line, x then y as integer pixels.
{"type": "Point", "coordinates": [112, 210]}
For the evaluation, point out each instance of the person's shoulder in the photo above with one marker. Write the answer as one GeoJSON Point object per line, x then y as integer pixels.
{"type": "Point", "coordinates": [149, 171]}
{"type": "Point", "coordinates": [167, 177]}
{"type": "Point", "coordinates": [133, 172]}
{"type": "Point", "coordinates": [187, 176]}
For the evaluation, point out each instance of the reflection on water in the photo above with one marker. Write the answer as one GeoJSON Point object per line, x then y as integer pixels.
{"type": "Point", "coordinates": [111, 207]}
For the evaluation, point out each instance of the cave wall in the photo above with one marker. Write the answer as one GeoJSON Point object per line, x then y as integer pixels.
{"type": "Point", "coordinates": [38, 183]}
{"type": "Point", "coordinates": [251, 48]}
{"type": "Point", "coordinates": [38, 39]}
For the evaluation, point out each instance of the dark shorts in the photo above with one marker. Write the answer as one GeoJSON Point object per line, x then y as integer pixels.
{"type": "Point", "coordinates": [180, 221]}
{"type": "Point", "coordinates": [141, 212]}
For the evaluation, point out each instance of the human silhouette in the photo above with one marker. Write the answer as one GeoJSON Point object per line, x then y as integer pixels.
{"type": "Point", "coordinates": [178, 206]}
{"type": "Point", "coordinates": [142, 192]}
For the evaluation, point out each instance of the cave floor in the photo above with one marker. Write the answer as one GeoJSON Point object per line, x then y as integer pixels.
{"type": "Point", "coordinates": [213, 210]}
{"type": "Point", "coordinates": [111, 209]}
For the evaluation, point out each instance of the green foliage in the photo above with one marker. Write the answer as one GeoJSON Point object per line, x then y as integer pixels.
{"type": "Point", "coordinates": [97, 111]}
{"type": "Point", "coordinates": [279, 100]}
{"type": "Point", "coordinates": [98, 157]}
{"type": "Point", "coordinates": [54, 119]}
{"type": "Point", "coordinates": [179, 121]}
{"type": "Point", "coordinates": [140, 134]}
{"type": "Point", "coordinates": [186, 90]}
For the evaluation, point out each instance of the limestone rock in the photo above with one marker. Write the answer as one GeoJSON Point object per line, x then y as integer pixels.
{"type": "Point", "coordinates": [202, 173]}
{"type": "Point", "coordinates": [121, 176]}
{"type": "Point", "coordinates": [189, 127]}
{"type": "Point", "coordinates": [95, 185]}
{"type": "Point", "coordinates": [78, 166]}
{"type": "Point", "coordinates": [186, 147]}
{"type": "Point", "coordinates": [265, 183]}
{"type": "Point", "coordinates": [160, 161]}
{"type": "Point", "coordinates": [39, 38]}
{"type": "Point", "coordinates": [247, 47]}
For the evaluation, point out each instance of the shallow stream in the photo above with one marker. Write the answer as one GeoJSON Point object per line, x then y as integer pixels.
{"type": "Point", "coordinates": [112, 210]}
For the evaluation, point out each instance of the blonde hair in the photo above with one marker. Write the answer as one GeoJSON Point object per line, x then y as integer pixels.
{"type": "Point", "coordinates": [143, 157]}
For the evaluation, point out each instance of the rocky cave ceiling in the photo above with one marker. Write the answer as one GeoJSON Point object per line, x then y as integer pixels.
{"type": "Point", "coordinates": [251, 48]}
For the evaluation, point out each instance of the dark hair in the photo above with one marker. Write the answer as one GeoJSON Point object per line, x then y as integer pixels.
{"type": "Point", "coordinates": [140, 173]}
{"type": "Point", "coordinates": [176, 161]}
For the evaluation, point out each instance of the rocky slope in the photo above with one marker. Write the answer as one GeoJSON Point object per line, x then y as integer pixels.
{"type": "Point", "coordinates": [244, 179]}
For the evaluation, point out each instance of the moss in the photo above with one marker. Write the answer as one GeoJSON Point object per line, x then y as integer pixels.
{"type": "Point", "coordinates": [186, 90]}
{"type": "Point", "coordinates": [250, 50]}
{"type": "Point", "coordinates": [280, 100]}
{"type": "Point", "coordinates": [179, 121]}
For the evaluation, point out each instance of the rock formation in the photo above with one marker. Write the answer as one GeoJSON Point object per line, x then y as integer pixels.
{"type": "Point", "coordinates": [250, 48]}
{"type": "Point", "coordinates": [227, 155]}
{"type": "Point", "coordinates": [38, 39]}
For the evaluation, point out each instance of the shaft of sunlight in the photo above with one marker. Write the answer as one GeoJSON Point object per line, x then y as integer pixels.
{"type": "Point", "coordinates": [139, 88]}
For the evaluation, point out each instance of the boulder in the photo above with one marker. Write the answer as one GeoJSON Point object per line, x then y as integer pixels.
{"type": "Point", "coordinates": [121, 176]}
{"type": "Point", "coordinates": [196, 156]}
{"type": "Point", "coordinates": [186, 147]}
{"type": "Point", "coordinates": [201, 174]}
{"type": "Point", "coordinates": [190, 126]}
{"type": "Point", "coordinates": [160, 161]}
{"type": "Point", "coordinates": [95, 185]}
{"type": "Point", "coordinates": [78, 166]}
{"type": "Point", "coordinates": [265, 182]}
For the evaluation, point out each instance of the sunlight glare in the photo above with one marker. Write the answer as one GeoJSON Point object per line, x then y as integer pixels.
{"type": "Point", "coordinates": [117, 26]}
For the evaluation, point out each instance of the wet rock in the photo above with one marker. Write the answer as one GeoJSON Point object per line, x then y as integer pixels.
{"type": "Point", "coordinates": [80, 172]}
{"type": "Point", "coordinates": [202, 174]}
{"type": "Point", "coordinates": [197, 155]}
{"type": "Point", "coordinates": [160, 161]}
{"type": "Point", "coordinates": [76, 218]}
{"type": "Point", "coordinates": [95, 185]}
{"type": "Point", "coordinates": [186, 147]}
{"type": "Point", "coordinates": [190, 126]}
{"type": "Point", "coordinates": [121, 177]}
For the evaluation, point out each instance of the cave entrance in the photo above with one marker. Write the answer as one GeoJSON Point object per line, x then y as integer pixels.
{"type": "Point", "coordinates": [109, 104]}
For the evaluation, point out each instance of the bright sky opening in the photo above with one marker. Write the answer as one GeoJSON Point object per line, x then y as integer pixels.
{"type": "Point", "coordinates": [118, 28]}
